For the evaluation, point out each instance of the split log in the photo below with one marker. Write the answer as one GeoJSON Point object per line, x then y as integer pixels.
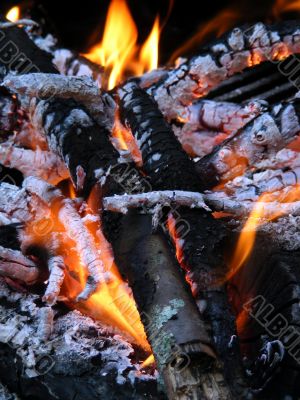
{"type": "Point", "coordinates": [260, 138]}
{"type": "Point", "coordinates": [82, 359]}
{"type": "Point", "coordinates": [169, 168]}
{"type": "Point", "coordinates": [232, 53]}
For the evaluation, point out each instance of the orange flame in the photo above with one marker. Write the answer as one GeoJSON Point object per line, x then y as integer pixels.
{"type": "Point", "coordinates": [112, 304]}
{"type": "Point", "coordinates": [124, 140]}
{"type": "Point", "coordinates": [149, 361]}
{"type": "Point", "coordinates": [13, 14]}
{"type": "Point", "coordinates": [257, 217]}
{"type": "Point", "coordinates": [118, 50]}
{"type": "Point", "coordinates": [285, 6]}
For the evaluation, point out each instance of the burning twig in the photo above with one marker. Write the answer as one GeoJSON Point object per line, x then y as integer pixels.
{"type": "Point", "coordinates": [121, 203]}
{"type": "Point", "coordinates": [217, 202]}
{"type": "Point", "coordinates": [234, 52]}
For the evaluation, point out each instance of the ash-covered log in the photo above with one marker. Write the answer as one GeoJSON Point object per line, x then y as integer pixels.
{"type": "Point", "coordinates": [260, 138]}
{"type": "Point", "coordinates": [230, 54]}
{"type": "Point", "coordinates": [168, 167]}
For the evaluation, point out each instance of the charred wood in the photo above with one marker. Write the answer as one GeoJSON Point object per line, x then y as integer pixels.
{"type": "Point", "coordinates": [169, 168]}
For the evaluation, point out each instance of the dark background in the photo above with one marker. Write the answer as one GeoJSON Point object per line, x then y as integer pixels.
{"type": "Point", "coordinates": [79, 24]}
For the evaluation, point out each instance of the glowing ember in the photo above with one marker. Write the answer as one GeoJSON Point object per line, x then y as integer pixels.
{"type": "Point", "coordinates": [178, 242]}
{"type": "Point", "coordinates": [118, 50]}
{"type": "Point", "coordinates": [13, 14]}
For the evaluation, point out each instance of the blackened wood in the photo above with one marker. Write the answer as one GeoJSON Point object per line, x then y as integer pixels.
{"type": "Point", "coordinates": [19, 53]}
{"type": "Point", "coordinates": [8, 114]}
{"type": "Point", "coordinates": [260, 82]}
{"type": "Point", "coordinates": [78, 139]}
{"type": "Point", "coordinates": [272, 275]}
{"type": "Point", "coordinates": [182, 349]}
{"type": "Point", "coordinates": [169, 167]}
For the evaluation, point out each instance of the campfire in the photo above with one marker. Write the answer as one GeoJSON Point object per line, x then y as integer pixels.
{"type": "Point", "coordinates": [149, 216]}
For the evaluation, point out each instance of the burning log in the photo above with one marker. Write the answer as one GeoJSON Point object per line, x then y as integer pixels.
{"type": "Point", "coordinates": [261, 137]}
{"type": "Point", "coordinates": [169, 168]}
{"type": "Point", "coordinates": [266, 81]}
{"type": "Point", "coordinates": [234, 52]}
{"type": "Point", "coordinates": [42, 164]}
{"type": "Point", "coordinates": [220, 116]}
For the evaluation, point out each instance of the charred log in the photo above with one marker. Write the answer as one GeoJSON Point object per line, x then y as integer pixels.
{"type": "Point", "coordinates": [169, 168]}
{"type": "Point", "coordinates": [19, 53]}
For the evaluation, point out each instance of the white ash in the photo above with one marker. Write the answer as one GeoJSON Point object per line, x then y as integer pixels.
{"type": "Point", "coordinates": [75, 341]}
{"type": "Point", "coordinates": [121, 203]}
{"type": "Point", "coordinates": [45, 325]}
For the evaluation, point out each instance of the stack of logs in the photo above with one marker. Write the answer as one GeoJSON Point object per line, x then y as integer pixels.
{"type": "Point", "coordinates": [56, 124]}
